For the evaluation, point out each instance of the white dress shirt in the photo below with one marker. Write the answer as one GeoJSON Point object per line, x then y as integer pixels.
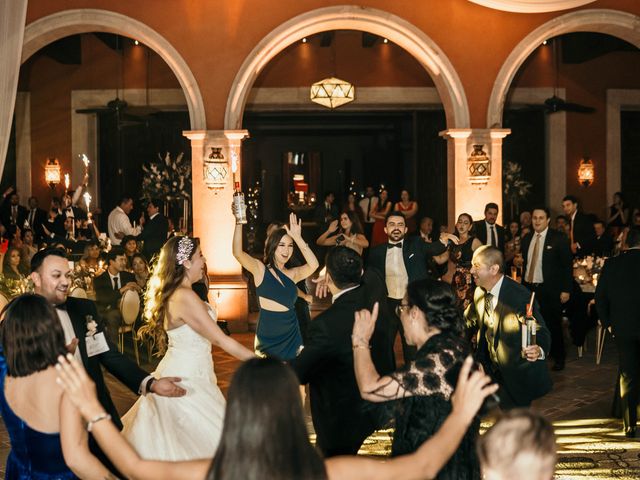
{"type": "Point", "coordinates": [342, 292]}
{"type": "Point", "coordinates": [67, 328]}
{"type": "Point", "coordinates": [537, 268]}
{"type": "Point", "coordinates": [367, 205]}
{"type": "Point", "coordinates": [396, 276]}
{"type": "Point", "coordinates": [118, 222]}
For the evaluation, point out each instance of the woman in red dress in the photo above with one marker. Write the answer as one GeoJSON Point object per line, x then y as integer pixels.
{"type": "Point", "coordinates": [380, 212]}
{"type": "Point", "coordinates": [409, 208]}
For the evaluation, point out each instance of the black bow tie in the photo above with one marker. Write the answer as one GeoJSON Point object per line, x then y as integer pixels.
{"type": "Point", "coordinates": [62, 306]}
{"type": "Point", "coordinates": [391, 245]}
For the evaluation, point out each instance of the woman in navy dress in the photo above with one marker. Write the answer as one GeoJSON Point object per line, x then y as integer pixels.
{"type": "Point", "coordinates": [32, 339]}
{"type": "Point", "coordinates": [278, 332]}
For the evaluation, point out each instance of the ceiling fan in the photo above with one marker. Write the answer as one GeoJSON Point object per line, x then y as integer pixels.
{"type": "Point", "coordinates": [555, 104]}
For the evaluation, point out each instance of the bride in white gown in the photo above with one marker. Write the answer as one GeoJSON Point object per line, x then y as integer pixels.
{"type": "Point", "coordinates": [187, 427]}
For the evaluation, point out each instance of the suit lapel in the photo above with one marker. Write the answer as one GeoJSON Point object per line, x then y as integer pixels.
{"type": "Point", "coordinates": [80, 329]}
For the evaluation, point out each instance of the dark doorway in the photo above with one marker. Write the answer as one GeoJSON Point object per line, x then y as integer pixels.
{"type": "Point", "coordinates": [397, 149]}
{"type": "Point", "coordinates": [630, 152]}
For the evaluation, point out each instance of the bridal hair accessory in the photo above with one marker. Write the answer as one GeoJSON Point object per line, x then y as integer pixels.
{"type": "Point", "coordinates": [185, 249]}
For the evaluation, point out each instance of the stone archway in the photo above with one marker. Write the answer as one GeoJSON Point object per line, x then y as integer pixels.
{"type": "Point", "coordinates": [70, 22]}
{"type": "Point", "coordinates": [371, 20]}
{"type": "Point", "coordinates": [611, 22]}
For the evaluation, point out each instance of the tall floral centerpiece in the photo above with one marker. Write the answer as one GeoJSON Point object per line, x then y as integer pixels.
{"type": "Point", "coordinates": [169, 179]}
{"type": "Point", "coordinates": [516, 188]}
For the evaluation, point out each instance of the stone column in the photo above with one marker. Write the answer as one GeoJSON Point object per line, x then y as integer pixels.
{"type": "Point", "coordinates": [214, 223]}
{"type": "Point", "coordinates": [463, 196]}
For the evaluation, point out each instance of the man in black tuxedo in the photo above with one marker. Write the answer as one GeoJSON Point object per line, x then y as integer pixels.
{"type": "Point", "coordinates": [341, 418]}
{"type": "Point", "coordinates": [155, 230]}
{"type": "Point", "coordinates": [110, 286]}
{"type": "Point", "coordinates": [547, 267]}
{"type": "Point", "coordinates": [487, 230]}
{"type": "Point", "coordinates": [326, 212]}
{"type": "Point", "coordinates": [401, 261]}
{"type": "Point", "coordinates": [12, 214]}
{"type": "Point", "coordinates": [51, 278]}
{"type": "Point", "coordinates": [36, 217]}
{"type": "Point", "coordinates": [499, 304]}
{"type": "Point", "coordinates": [603, 245]}
{"type": "Point", "coordinates": [581, 232]}
{"type": "Point", "coordinates": [618, 305]}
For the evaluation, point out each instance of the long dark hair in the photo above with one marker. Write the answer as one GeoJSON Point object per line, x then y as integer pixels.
{"type": "Point", "coordinates": [31, 335]}
{"type": "Point", "coordinates": [166, 277]}
{"type": "Point", "coordinates": [438, 302]}
{"type": "Point", "coordinates": [270, 246]}
{"type": "Point", "coordinates": [264, 436]}
{"type": "Point", "coordinates": [356, 226]}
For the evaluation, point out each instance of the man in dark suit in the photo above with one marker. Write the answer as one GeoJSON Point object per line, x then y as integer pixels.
{"type": "Point", "coordinates": [155, 230]}
{"type": "Point", "coordinates": [401, 261]}
{"type": "Point", "coordinates": [79, 319]}
{"type": "Point", "coordinates": [326, 212]}
{"type": "Point", "coordinates": [36, 217]}
{"type": "Point", "coordinates": [581, 232]}
{"type": "Point", "coordinates": [341, 418]}
{"type": "Point", "coordinates": [110, 286]}
{"type": "Point", "coordinates": [547, 271]}
{"type": "Point", "coordinates": [618, 305]}
{"type": "Point", "coordinates": [498, 307]}
{"type": "Point", "coordinates": [487, 230]}
{"type": "Point", "coordinates": [603, 245]}
{"type": "Point", "coordinates": [12, 214]}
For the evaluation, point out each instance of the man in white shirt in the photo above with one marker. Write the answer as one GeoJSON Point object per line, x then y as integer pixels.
{"type": "Point", "coordinates": [498, 308]}
{"type": "Point", "coordinates": [368, 204]}
{"type": "Point", "coordinates": [548, 272]}
{"type": "Point", "coordinates": [119, 224]}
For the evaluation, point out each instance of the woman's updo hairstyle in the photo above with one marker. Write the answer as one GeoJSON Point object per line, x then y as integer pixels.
{"type": "Point", "coordinates": [438, 302]}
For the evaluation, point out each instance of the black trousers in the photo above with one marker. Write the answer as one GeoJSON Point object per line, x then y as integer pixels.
{"type": "Point", "coordinates": [395, 326]}
{"type": "Point", "coordinates": [551, 310]}
{"type": "Point", "coordinates": [629, 354]}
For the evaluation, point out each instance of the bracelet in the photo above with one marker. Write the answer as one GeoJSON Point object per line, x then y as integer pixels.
{"type": "Point", "coordinates": [359, 345]}
{"type": "Point", "coordinates": [96, 419]}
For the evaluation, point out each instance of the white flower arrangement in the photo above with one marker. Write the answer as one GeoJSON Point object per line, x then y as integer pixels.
{"type": "Point", "coordinates": [167, 179]}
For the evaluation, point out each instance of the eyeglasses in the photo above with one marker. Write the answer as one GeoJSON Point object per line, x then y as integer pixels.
{"type": "Point", "coordinates": [401, 308]}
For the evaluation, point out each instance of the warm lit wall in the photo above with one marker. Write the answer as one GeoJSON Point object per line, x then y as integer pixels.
{"type": "Point", "coordinates": [50, 84]}
{"type": "Point", "coordinates": [586, 84]}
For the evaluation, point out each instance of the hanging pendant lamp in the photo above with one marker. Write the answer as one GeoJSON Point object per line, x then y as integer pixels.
{"type": "Point", "coordinates": [332, 92]}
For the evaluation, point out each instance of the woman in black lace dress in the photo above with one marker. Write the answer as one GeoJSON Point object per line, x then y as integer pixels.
{"type": "Point", "coordinates": [422, 389]}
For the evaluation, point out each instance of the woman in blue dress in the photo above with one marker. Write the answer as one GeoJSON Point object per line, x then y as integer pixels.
{"type": "Point", "coordinates": [33, 406]}
{"type": "Point", "coordinates": [278, 332]}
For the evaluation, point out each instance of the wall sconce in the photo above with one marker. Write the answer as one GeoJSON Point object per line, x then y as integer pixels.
{"type": "Point", "coordinates": [216, 170]}
{"type": "Point", "coordinates": [586, 172]}
{"type": "Point", "coordinates": [52, 172]}
{"type": "Point", "coordinates": [479, 165]}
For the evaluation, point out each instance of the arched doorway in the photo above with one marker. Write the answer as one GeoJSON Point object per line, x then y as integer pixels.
{"type": "Point", "coordinates": [612, 22]}
{"type": "Point", "coordinates": [384, 24]}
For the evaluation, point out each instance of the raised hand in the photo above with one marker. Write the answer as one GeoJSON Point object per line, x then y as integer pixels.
{"type": "Point", "coordinates": [365, 324]}
{"type": "Point", "coordinates": [322, 289]}
{"type": "Point", "coordinates": [333, 226]}
{"type": "Point", "coordinates": [294, 229]}
{"type": "Point", "coordinates": [445, 237]}
{"type": "Point", "coordinates": [471, 390]}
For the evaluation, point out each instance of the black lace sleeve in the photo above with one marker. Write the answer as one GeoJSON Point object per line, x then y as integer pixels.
{"type": "Point", "coordinates": [435, 370]}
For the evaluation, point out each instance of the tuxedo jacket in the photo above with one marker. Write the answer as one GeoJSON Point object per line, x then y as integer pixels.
{"type": "Point", "coordinates": [603, 246]}
{"type": "Point", "coordinates": [584, 234]}
{"type": "Point", "coordinates": [340, 417]}
{"type": "Point", "coordinates": [525, 381]}
{"type": "Point", "coordinates": [480, 231]}
{"type": "Point", "coordinates": [39, 217]}
{"type": "Point", "coordinates": [154, 235]}
{"type": "Point", "coordinates": [557, 261]}
{"type": "Point", "coordinates": [125, 370]}
{"type": "Point", "coordinates": [416, 254]}
{"type": "Point", "coordinates": [7, 219]}
{"type": "Point", "coordinates": [106, 297]}
{"type": "Point", "coordinates": [617, 295]}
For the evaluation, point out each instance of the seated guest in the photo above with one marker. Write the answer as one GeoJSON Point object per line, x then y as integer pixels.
{"type": "Point", "coordinates": [422, 388]}
{"type": "Point", "coordinates": [32, 339]}
{"type": "Point", "coordinates": [11, 268]}
{"type": "Point", "coordinates": [264, 436]}
{"type": "Point", "coordinates": [28, 249]}
{"type": "Point", "coordinates": [426, 229]}
{"type": "Point", "coordinates": [91, 257]}
{"type": "Point", "coordinates": [130, 246]}
{"type": "Point", "coordinates": [340, 418]}
{"type": "Point", "coordinates": [347, 232]}
{"type": "Point", "coordinates": [603, 246]}
{"type": "Point", "coordinates": [520, 445]}
{"type": "Point", "coordinates": [140, 269]}
{"type": "Point", "coordinates": [109, 287]}
{"type": "Point", "coordinates": [562, 225]}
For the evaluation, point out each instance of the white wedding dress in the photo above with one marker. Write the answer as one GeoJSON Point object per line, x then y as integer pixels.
{"type": "Point", "coordinates": [180, 428]}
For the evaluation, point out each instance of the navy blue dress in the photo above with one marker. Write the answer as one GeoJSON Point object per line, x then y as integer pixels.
{"type": "Point", "coordinates": [34, 455]}
{"type": "Point", "coordinates": [278, 333]}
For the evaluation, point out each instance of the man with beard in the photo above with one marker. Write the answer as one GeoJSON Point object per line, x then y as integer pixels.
{"type": "Point", "coordinates": [403, 260]}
